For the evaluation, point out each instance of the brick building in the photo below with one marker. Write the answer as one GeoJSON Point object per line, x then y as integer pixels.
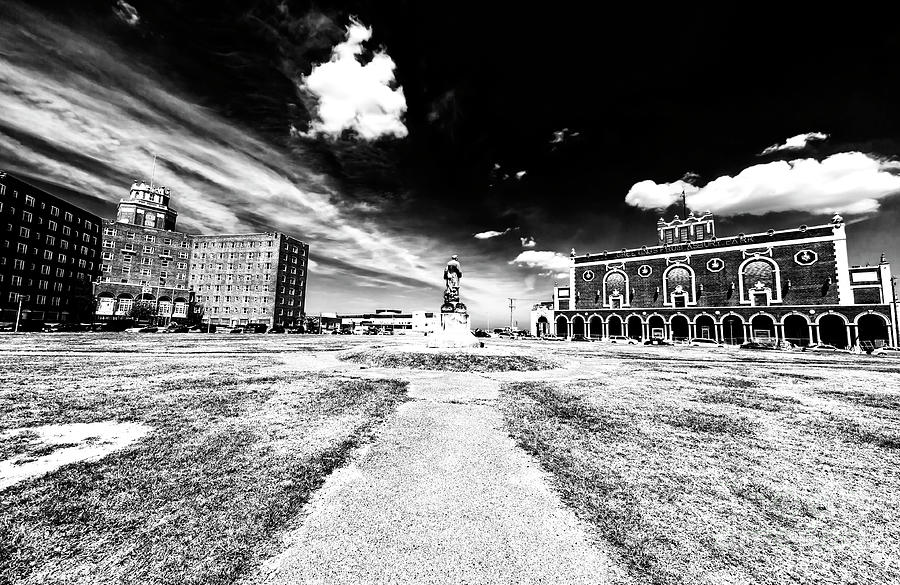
{"type": "Point", "coordinates": [250, 278]}
{"type": "Point", "coordinates": [795, 285]}
{"type": "Point", "coordinates": [227, 279]}
{"type": "Point", "coordinates": [143, 260]}
{"type": "Point", "coordinates": [50, 254]}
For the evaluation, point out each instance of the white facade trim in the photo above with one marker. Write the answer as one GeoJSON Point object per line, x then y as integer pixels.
{"type": "Point", "coordinates": [842, 265]}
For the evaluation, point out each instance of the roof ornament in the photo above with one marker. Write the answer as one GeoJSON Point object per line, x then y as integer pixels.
{"type": "Point", "coordinates": [837, 219]}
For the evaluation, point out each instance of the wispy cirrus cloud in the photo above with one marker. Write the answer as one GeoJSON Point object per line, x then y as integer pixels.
{"type": "Point", "coordinates": [79, 112]}
{"type": "Point", "coordinates": [493, 233]}
{"type": "Point", "coordinates": [353, 96]}
{"type": "Point", "coordinates": [847, 182]}
{"type": "Point", "coordinates": [797, 142]}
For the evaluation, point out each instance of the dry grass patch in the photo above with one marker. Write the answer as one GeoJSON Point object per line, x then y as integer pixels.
{"type": "Point", "coordinates": [729, 489]}
{"type": "Point", "coordinates": [233, 456]}
{"type": "Point", "coordinates": [454, 361]}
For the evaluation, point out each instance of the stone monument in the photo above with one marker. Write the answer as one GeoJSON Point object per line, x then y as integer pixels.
{"type": "Point", "coordinates": [454, 329]}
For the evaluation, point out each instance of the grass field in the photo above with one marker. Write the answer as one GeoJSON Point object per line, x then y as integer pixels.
{"type": "Point", "coordinates": [698, 465]}
{"type": "Point", "coordinates": [238, 441]}
{"type": "Point", "coordinates": [704, 472]}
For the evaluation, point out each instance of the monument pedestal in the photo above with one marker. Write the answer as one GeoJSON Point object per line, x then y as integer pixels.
{"type": "Point", "coordinates": [454, 331]}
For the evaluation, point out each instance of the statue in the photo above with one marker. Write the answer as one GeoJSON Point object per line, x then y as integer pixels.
{"type": "Point", "coordinates": [452, 276]}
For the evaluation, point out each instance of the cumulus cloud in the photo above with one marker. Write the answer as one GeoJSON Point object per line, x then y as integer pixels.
{"type": "Point", "coordinates": [546, 261]}
{"type": "Point", "coordinates": [493, 233]}
{"type": "Point", "coordinates": [127, 13]}
{"type": "Point", "coordinates": [797, 142]}
{"type": "Point", "coordinates": [528, 242]}
{"type": "Point", "coordinates": [521, 174]}
{"type": "Point", "coordinates": [847, 182]}
{"type": "Point", "coordinates": [559, 136]}
{"type": "Point", "coordinates": [353, 96]}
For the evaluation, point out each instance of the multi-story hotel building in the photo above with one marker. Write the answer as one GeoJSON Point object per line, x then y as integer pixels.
{"type": "Point", "coordinates": [50, 254]}
{"type": "Point", "coordinates": [794, 284]}
{"type": "Point", "coordinates": [250, 278]}
{"type": "Point", "coordinates": [226, 279]}
{"type": "Point", "coordinates": [143, 259]}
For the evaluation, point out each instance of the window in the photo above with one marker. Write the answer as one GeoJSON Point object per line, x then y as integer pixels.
{"type": "Point", "coordinates": [54, 211]}
{"type": "Point", "coordinates": [148, 249]}
{"type": "Point", "coordinates": [21, 248]}
{"type": "Point", "coordinates": [146, 272]}
{"type": "Point", "coordinates": [126, 259]}
{"type": "Point", "coordinates": [182, 255]}
{"type": "Point", "coordinates": [63, 245]}
{"type": "Point", "coordinates": [50, 240]}
{"type": "Point", "coordinates": [60, 272]}
{"type": "Point", "coordinates": [29, 201]}
{"type": "Point", "coordinates": [126, 270]}
{"type": "Point", "coordinates": [164, 263]}
{"type": "Point", "coordinates": [147, 261]}
{"type": "Point", "coordinates": [18, 264]}
{"type": "Point", "coordinates": [66, 231]}
{"type": "Point", "coordinates": [167, 241]}
{"type": "Point", "coordinates": [108, 244]}
{"type": "Point", "coordinates": [149, 238]}
{"type": "Point", "coordinates": [128, 248]}
{"type": "Point", "coordinates": [26, 216]}
{"type": "Point", "coordinates": [129, 235]}
{"type": "Point", "coordinates": [62, 258]}
{"type": "Point", "coordinates": [67, 216]}
{"type": "Point", "coordinates": [16, 281]}
{"type": "Point", "coordinates": [105, 268]}
{"type": "Point", "coordinates": [24, 232]}
{"type": "Point", "coordinates": [106, 255]}
{"type": "Point", "coordinates": [48, 255]}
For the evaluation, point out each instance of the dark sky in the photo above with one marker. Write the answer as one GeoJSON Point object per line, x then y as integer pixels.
{"type": "Point", "coordinates": [592, 106]}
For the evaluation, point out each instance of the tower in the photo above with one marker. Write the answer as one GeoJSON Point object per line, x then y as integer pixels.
{"type": "Point", "coordinates": [147, 206]}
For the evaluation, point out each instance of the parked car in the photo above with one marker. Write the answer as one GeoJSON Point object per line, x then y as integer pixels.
{"type": "Point", "coordinates": [62, 327]}
{"type": "Point", "coordinates": [119, 325]}
{"type": "Point", "coordinates": [823, 347]}
{"type": "Point", "coordinates": [506, 335]}
{"type": "Point", "coordinates": [657, 341]}
{"type": "Point", "coordinates": [697, 341]}
{"type": "Point", "coordinates": [887, 351]}
{"type": "Point", "coordinates": [177, 328]}
{"type": "Point", "coordinates": [580, 337]}
{"type": "Point", "coordinates": [276, 329]}
{"type": "Point", "coordinates": [759, 345]}
{"type": "Point", "coordinates": [203, 328]}
{"type": "Point", "coordinates": [148, 330]}
{"type": "Point", "coordinates": [481, 333]}
{"type": "Point", "coordinates": [255, 328]}
{"type": "Point", "coordinates": [552, 338]}
{"type": "Point", "coordinates": [237, 330]}
{"type": "Point", "coordinates": [297, 330]}
{"type": "Point", "coordinates": [621, 339]}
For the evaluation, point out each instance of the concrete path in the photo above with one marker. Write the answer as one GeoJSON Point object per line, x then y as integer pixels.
{"type": "Point", "coordinates": [442, 496]}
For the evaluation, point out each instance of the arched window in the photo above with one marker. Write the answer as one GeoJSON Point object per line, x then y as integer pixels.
{"type": "Point", "coordinates": [615, 289]}
{"type": "Point", "coordinates": [760, 282]}
{"type": "Point", "coordinates": [679, 286]}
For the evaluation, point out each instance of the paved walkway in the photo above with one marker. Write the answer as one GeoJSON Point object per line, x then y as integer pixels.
{"type": "Point", "coordinates": [442, 496]}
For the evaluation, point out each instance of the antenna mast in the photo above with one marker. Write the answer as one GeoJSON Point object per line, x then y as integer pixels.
{"type": "Point", "coordinates": [153, 172]}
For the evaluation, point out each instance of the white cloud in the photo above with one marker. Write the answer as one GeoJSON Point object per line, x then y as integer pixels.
{"type": "Point", "coordinates": [652, 195]}
{"type": "Point", "coordinates": [528, 242]}
{"type": "Point", "coordinates": [521, 174]}
{"type": "Point", "coordinates": [797, 142]}
{"type": "Point", "coordinates": [847, 182]}
{"type": "Point", "coordinates": [356, 96]}
{"type": "Point", "coordinates": [493, 233]}
{"type": "Point", "coordinates": [547, 261]}
{"type": "Point", "coordinates": [127, 13]}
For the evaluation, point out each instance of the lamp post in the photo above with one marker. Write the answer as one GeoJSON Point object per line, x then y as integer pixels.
{"type": "Point", "coordinates": [894, 302]}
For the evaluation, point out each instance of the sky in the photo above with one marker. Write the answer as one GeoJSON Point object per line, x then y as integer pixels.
{"type": "Point", "coordinates": [390, 136]}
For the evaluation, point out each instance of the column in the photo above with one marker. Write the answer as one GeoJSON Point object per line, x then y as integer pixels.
{"type": "Point", "coordinates": [811, 333]}
{"type": "Point", "coordinates": [748, 334]}
{"type": "Point", "coordinates": [779, 332]}
{"type": "Point", "coordinates": [814, 333]}
{"type": "Point", "coordinates": [851, 335]}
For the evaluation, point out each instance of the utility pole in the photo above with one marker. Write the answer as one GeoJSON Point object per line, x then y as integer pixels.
{"type": "Point", "coordinates": [19, 312]}
{"type": "Point", "coordinates": [153, 172]}
{"type": "Point", "coordinates": [512, 305]}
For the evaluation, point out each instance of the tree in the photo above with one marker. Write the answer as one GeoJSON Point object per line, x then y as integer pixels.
{"type": "Point", "coordinates": [141, 311]}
